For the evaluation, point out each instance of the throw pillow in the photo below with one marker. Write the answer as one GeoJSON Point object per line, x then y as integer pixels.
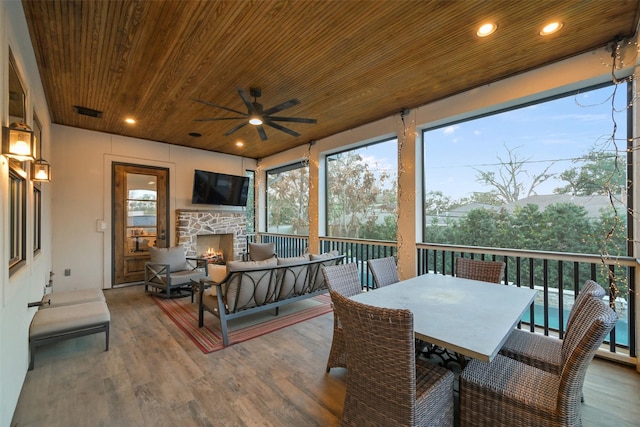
{"type": "Point", "coordinates": [261, 251]}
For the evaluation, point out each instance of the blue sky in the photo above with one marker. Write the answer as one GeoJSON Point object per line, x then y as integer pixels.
{"type": "Point", "coordinates": [551, 133]}
{"type": "Point", "coordinates": [555, 131]}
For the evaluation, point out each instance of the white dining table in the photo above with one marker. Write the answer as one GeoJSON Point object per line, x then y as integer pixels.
{"type": "Point", "coordinates": [469, 317]}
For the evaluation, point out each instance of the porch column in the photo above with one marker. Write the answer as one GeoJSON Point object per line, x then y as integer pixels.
{"type": "Point", "coordinates": [409, 205]}
{"type": "Point", "coordinates": [316, 188]}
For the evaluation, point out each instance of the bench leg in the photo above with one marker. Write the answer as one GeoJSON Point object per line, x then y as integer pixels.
{"type": "Point", "coordinates": [32, 353]}
{"type": "Point", "coordinates": [106, 333]}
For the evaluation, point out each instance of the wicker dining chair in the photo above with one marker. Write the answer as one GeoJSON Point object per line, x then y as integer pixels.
{"type": "Point", "coordinates": [542, 351]}
{"type": "Point", "coordinates": [386, 384]}
{"type": "Point", "coordinates": [384, 271]}
{"type": "Point", "coordinates": [485, 271]}
{"type": "Point", "coordinates": [506, 392]}
{"type": "Point", "coordinates": [343, 279]}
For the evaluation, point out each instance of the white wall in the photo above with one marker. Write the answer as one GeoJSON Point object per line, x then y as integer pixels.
{"type": "Point", "coordinates": [27, 284]}
{"type": "Point", "coordinates": [82, 186]}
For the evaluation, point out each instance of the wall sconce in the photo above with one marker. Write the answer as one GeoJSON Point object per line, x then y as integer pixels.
{"type": "Point", "coordinates": [40, 169]}
{"type": "Point", "coordinates": [18, 142]}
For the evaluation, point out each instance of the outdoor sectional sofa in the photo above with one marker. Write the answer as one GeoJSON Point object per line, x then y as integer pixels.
{"type": "Point", "coordinates": [254, 286]}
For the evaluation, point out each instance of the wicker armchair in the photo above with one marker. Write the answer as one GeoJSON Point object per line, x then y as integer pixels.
{"type": "Point", "coordinates": [542, 351]}
{"type": "Point", "coordinates": [486, 271]}
{"type": "Point", "coordinates": [384, 271]}
{"type": "Point", "coordinates": [509, 393]}
{"type": "Point", "coordinates": [386, 385]}
{"type": "Point", "coordinates": [344, 280]}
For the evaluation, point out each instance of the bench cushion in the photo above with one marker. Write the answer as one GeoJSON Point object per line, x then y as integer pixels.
{"type": "Point", "coordinates": [58, 299]}
{"type": "Point", "coordinates": [58, 320]}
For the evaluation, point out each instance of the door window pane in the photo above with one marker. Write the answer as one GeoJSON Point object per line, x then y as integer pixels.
{"type": "Point", "coordinates": [141, 212]}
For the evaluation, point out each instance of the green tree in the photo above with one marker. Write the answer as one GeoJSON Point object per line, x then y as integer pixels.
{"type": "Point", "coordinates": [511, 181]}
{"type": "Point", "coordinates": [288, 200]}
{"type": "Point", "coordinates": [598, 173]}
{"type": "Point", "coordinates": [356, 196]}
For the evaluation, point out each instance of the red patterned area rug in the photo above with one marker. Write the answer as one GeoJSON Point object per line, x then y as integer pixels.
{"type": "Point", "coordinates": [209, 338]}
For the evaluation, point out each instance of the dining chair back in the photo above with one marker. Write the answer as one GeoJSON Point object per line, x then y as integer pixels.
{"type": "Point", "coordinates": [384, 271]}
{"type": "Point", "coordinates": [485, 271]}
{"type": "Point", "coordinates": [590, 289]}
{"type": "Point", "coordinates": [386, 384]}
{"type": "Point", "coordinates": [344, 280]}
{"type": "Point", "coordinates": [545, 352]}
{"type": "Point", "coordinates": [506, 392]}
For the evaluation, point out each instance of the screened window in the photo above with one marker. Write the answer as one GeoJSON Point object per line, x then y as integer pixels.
{"type": "Point", "coordinates": [288, 200]}
{"type": "Point", "coordinates": [37, 193]}
{"type": "Point", "coordinates": [37, 217]}
{"type": "Point", "coordinates": [549, 176]}
{"type": "Point", "coordinates": [362, 196]}
{"type": "Point", "coordinates": [17, 216]}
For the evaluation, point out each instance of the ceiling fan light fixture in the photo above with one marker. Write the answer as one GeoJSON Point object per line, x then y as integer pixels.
{"type": "Point", "coordinates": [255, 120]}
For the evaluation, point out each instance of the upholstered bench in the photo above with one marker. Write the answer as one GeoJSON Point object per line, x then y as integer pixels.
{"type": "Point", "coordinates": [57, 299]}
{"type": "Point", "coordinates": [56, 324]}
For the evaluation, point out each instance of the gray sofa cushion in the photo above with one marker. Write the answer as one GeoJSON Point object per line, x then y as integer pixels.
{"type": "Point", "coordinates": [175, 257]}
{"type": "Point", "coordinates": [292, 280]}
{"type": "Point", "coordinates": [261, 251]}
{"type": "Point", "coordinates": [247, 282]}
{"type": "Point", "coordinates": [318, 282]}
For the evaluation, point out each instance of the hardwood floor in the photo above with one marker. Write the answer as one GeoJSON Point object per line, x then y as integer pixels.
{"type": "Point", "coordinates": [153, 375]}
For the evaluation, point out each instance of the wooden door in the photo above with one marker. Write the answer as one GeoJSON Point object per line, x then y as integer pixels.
{"type": "Point", "coordinates": [140, 216]}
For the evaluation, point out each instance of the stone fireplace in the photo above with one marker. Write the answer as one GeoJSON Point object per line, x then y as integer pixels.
{"type": "Point", "coordinates": [214, 231]}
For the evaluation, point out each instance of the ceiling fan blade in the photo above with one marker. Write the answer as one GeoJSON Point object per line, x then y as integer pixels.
{"type": "Point", "coordinates": [232, 130]}
{"type": "Point", "coordinates": [220, 106]}
{"type": "Point", "coordinates": [281, 128]}
{"type": "Point", "coordinates": [247, 101]}
{"type": "Point", "coordinates": [292, 119]}
{"type": "Point", "coordinates": [262, 133]}
{"type": "Point", "coordinates": [218, 118]}
{"type": "Point", "coordinates": [280, 107]}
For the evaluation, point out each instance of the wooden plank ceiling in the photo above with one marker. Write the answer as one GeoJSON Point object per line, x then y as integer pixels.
{"type": "Point", "coordinates": [347, 62]}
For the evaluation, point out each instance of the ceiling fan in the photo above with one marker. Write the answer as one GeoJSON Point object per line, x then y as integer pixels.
{"type": "Point", "coordinates": [257, 116]}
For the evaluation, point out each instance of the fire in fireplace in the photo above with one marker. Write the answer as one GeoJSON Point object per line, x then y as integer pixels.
{"type": "Point", "coordinates": [216, 248]}
{"type": "Point", "coordinates": [213, 256]}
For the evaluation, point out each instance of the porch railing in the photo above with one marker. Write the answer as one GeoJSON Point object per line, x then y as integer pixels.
{"type": "Point", "coordinates": [557, 276]}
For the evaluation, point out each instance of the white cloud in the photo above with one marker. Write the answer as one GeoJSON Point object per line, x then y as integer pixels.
{"type": "Point", "coordinates": [450, 129]}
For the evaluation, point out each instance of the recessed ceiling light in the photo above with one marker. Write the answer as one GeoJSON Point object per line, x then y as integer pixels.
{"type": "Point", "coordinates": [551, 28]}
{"type": "Point", "coordinates": [129, 120]}
{"type": "Point", "coordinates": [486, 29]}
{"type": "Point", "coordinates": [239, 144]}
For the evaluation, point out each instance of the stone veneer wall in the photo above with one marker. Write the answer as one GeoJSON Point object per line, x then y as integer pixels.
{"type": "Point", "coordinates": [192, 223]}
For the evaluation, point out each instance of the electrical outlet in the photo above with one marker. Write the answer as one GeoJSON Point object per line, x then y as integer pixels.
{"type": "Point", "coordinates": [67, 272]}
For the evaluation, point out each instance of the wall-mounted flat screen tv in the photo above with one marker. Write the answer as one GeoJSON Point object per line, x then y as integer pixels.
{"type": "Point", "coordinates": [211, 188]}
